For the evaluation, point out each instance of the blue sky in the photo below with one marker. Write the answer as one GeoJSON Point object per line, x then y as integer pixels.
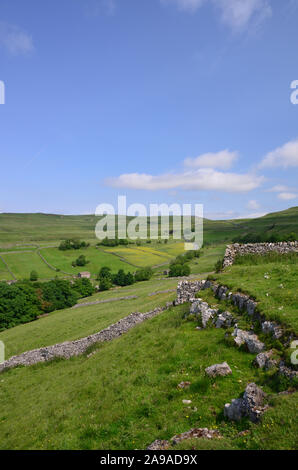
{"type": "Point", "coordinates": [163, 101]}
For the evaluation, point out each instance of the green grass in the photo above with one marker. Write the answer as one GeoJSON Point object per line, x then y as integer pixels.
{"type": "Point", "coordinates": [97, 258]}
{"type": "Point", "coordinates": [125, 396]}
{"type": "Point", "coordinates": [71, 324]}
{"type": "Point", "coordinates": [4, 273]}
{"type": "Point", "coordinates": [206, 262]}
{"type": "Point", "coordinates": [140, 256]}
{"type": "Point", "coordinates": [281, 287]}
{"type": "Point", "coordinates": [21, 264]}
{"type": "Point", "coordinates": [25, 228]}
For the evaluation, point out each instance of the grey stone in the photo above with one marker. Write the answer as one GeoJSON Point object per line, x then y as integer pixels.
{"type": "Point", "coordinates": [218, 369]}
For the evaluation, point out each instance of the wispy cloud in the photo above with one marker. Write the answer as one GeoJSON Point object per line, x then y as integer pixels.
{"type": "Point", "coordinates": [287, 196]}
{"type": "Point", "coordinates": [277, 189]}
{"type": "Point", "coordinates": [237, 14]}
{"type": "Point", "coordinates": [253, 204]}
{"type": "Point", "coordinates": [284, 157]}
{"type": "Point", "coordinates": [14, 39]}
{"type": "Point", "coordinates": [187, 5]}
{"type": "Point", "coordinates": [222, 160]}
{"type": "Point", "coordinates": [204, 179]}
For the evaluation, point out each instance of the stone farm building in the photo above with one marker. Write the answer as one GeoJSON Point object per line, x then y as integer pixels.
{"type": "Point", "coordinates": [84, 274]}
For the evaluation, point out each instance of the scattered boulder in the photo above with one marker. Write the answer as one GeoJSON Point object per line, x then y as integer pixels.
{"type": "Point", "coordinates": [233, 410]}
{"type": "Point", "coordinates": [265, 361]}
{"type": "Point", "coordinates": [218, 369]}
{"type": "Point", "coordinates": [250, 339]}
{"type": "Point", "coordinates": [272, 328]}
{"type": "Point", "coordinates": [224, 320]}
{"type": "Point", "coordinates": [287, 372]}
{"type": "Point", "coordinates": [202, 311]}
{"type": "Point", "coordinates": [251, 405]}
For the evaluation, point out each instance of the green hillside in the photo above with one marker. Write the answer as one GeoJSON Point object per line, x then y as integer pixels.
{"type": "Point", "coordinates": [125, 395]}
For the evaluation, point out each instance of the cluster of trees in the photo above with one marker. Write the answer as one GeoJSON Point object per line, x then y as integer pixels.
{"type": "Point", "coordinates": [113, 242]}
{"type": "Point", "coordinates": [266, 238]}
{"type": "Point", "coordinates": [80, 261]}
{"type": "Point", "coordinates": [107, 279]}
{"type": "Point", "coordinates": [179, 266]}
{"type": "Point", "coordinates": [72, 244]}
{"type": "Point", "coordinates": [23, 302]}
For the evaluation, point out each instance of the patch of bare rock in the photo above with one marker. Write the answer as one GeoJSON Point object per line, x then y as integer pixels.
{"type": "Point", "coordinates": [195, 433]}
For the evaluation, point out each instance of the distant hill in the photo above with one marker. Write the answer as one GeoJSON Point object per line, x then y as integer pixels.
{"type": "Point", "coordinates": [28, 228]}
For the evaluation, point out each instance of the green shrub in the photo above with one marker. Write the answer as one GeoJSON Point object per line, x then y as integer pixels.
{"type": "Point", "coordinates": [143, 274]}
{"type": "Point", "coordinates": [33, 276]}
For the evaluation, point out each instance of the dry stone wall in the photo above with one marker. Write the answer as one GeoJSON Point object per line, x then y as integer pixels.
{"type": "Point", "coordinates": [256, 249]}
{"type": "Point", "coordinates": [74, 348]}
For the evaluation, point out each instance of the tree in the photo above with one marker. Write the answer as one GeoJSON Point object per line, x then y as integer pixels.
{"type": "Point", "coordinates": [143, 274]}
{"type": "Point", "coordinates": [33, 276]}
{"type": "Point", "coordinates": [105, 272]}
{"type": "Point", "coordinates": [80, 261]}
{"type": "Point", "coordinates": [105, 284]}
{"type": "Point", "coordinates": [83, 287]}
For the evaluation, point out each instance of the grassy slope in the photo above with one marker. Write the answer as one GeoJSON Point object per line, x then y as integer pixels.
{"type": "Point", "coordinates": [31, 227]}
{"type": "Point", "coordinates": [70, 324]}
{"type": "Point", "coordinates": [281, 288]}
{"type": "Point", "coordinates": [21, 264]}
{"type": "Point", "coordinates": [125, 395]}
{"type": "Point", "coordinates": [96, 257]}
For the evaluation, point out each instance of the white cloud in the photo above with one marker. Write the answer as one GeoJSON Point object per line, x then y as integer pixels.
{"type": "Point", "coordinates": [253, 204]}
{"type": "Point", "coordinates": [237, 14]}
{"type": "Point", "coordinates": [285, 156]}
{"type": "Point", "coordinates": [15, 40]}
{"type": "Point", "coordinates": [188, 5]}
{"type": "Point", "coordinates": [287, 196]}
{"type": "Point", "coordinates": [277, 189]}
{"type": "Point", "coordinates": [223, 160]}
{"type": "Point", "coordinates": [205, 179]}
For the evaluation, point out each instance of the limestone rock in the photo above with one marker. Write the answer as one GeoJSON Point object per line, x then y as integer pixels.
{"type": "Point", "coordinates": [196, 433]}
{"type": "Point", "coordinates": [272, 328]}
{"type": "Point", "coordinates": [264, 360]}
{"type": "Point", "coordinates": [233, 410]}
{"type": "Point", "coordinates": [218, 369]}
{"type": "Point", "coordinates": [251, 405]}
{"type": "Point", "coordinates": [159, 445]}
{"type": "Point", "coordinates": [248, 338]}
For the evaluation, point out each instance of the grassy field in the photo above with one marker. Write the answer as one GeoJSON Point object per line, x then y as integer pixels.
{"type": "Point", "coordinates": [206, 262]}
{"type": "Point", "coordinates": [97, 258]}
{"type": "Point", "coordinates": [21, 264]}
{"type": "Point", "coordinates": [274, 285]}
{"type": "Point", "coordinates": [141, 256]}
{"type": "Point", "coordinates": [125, 396]}
{"type": "Point", "coordinates": [25, 228]}
{"type": "Point", "coordinates": [70, 324]}
{"type": "Point", "coordinates": [4, 273]}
